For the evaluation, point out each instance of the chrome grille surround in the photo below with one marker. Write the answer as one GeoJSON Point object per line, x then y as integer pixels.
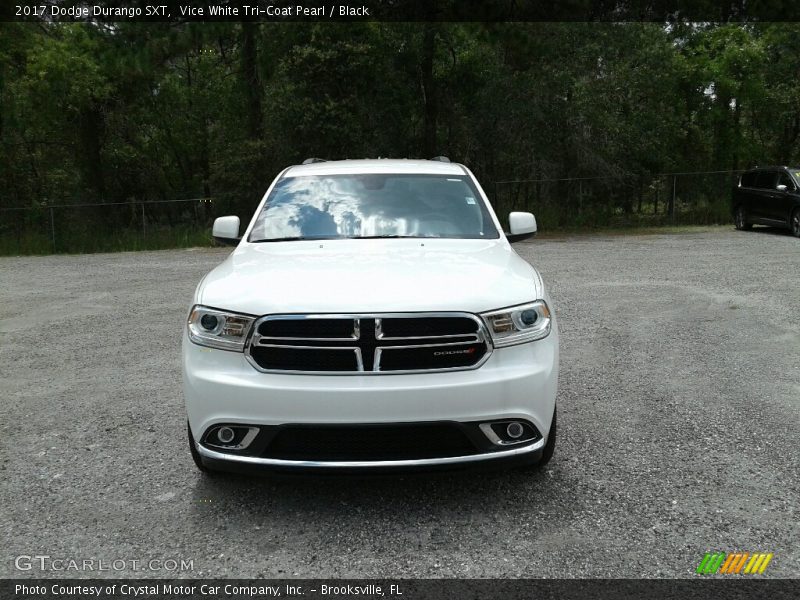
{"type": "Point", "coordinates": [380, 341]}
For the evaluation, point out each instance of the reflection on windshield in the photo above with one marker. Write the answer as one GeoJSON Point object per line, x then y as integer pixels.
{"type": "Point", "coordinates": [353, 206]}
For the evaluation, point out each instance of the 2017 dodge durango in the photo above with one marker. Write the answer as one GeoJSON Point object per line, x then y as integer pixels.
{"type": "Point", "coordinates": [373, 315]}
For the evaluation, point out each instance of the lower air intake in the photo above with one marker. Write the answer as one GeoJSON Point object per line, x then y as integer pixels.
{"type": "Point", "coordinates": [369, 442]}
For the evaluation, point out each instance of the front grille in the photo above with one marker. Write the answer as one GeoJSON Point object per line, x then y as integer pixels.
{"type": "Point", "coordinates": [287, 358]}
{"type": "Point", "coordinates": [382, 343]}
{"type": "Point", "coordinates": [426, 326]}
{"type": "Point", "coordinates": [369, 442]}
{"type": "Point", "coordinates": [438, 357]}
{"type": "Point", "coordinates": [329, 329]}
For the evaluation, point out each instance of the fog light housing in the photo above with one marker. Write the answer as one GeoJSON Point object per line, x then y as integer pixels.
{"type": "Point", "coordinates": [515, 430]}
{"type": "Point", "coordinates": [509, 433]}
{"type": "Point", "coordinates": [230, 437]}
{"type": "Point", "coordinates": [225, 435]}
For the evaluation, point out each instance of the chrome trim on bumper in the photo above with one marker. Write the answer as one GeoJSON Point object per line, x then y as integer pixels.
{"type": "Point", "coordinates": [366, 464]}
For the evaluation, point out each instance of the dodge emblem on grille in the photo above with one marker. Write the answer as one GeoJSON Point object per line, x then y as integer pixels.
{"type": "Point", "coordinates": [445, 352]}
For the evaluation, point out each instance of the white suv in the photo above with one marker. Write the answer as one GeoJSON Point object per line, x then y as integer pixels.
{"type": "Point", "coordinates": [373, 315]}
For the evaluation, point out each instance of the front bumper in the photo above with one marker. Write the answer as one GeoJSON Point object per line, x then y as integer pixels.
{"type": "Point", "coordinates": [228, 461]}
{"type": "Point", "coordinates": [515, 383]}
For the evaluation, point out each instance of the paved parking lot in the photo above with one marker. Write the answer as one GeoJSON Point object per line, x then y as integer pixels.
{"type": "Point", "coordinates": [678, 429]}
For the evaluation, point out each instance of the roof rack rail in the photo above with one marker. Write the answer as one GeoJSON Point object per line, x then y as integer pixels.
{"type": "Point", "coordinates": [311, 161]}
{"type": "Point", "coordinates": [441, 159]}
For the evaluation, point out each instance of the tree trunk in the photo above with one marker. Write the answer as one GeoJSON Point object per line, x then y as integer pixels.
{"type": "Point", "coordinates": [639, 193]}
{"type": "Point", "coordinates": [429, 147]}
{"type": "Point", "coordinates": [737, 129]}
{"type": "Point", "coordinates": [91, 126]}
{"type": "Point", "coordinates": [251, 81]}
{"type": "Point", "coordinates": [655, 200]}
{"type": "Point", "coordinates": [722, 133]}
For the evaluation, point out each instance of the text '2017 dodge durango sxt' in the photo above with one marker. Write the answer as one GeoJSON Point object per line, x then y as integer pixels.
{"type": "Point", "coordinates": [373, 315]}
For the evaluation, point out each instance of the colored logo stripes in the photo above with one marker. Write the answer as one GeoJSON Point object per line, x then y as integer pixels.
{"type": "Point", "coordinates": [734, 563]}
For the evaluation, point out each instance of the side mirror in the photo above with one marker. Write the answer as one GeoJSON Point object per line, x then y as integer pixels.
{"type": "Point", "coordinates": [521, 225]}
{"type": "Point", "coordinates": [781, 188]}
{"type": "Point", "coordinates": [226, 230]}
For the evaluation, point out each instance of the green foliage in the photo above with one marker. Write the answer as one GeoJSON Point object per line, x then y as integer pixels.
{"type": "Point", "coordinates": [83, 241]}
{"type": "Point", "coordinates": [142, 112]}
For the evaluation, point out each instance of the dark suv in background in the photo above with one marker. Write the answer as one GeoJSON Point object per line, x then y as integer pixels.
{"type": "Point", "coordinates": [768, 196]}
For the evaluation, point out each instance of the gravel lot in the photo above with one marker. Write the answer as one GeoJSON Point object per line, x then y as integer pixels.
{"type": "Point", "coordinates": [678, 428]}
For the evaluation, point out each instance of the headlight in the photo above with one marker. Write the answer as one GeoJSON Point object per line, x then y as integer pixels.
{"type": "Point", "coordinates": [518, 324]}
{"type": "Point", "coordinates": [219, 329]}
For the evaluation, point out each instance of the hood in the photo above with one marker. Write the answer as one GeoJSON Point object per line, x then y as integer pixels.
{"type": "Point", "coordinates": [389, 275]}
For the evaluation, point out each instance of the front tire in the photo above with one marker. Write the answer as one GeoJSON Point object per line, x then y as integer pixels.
{"type": "Point", "coordinates": [740, 219]}
{"type": "Point", "coordinates": [548, 450]}
{"type": "Point", "coordinates": [795, 223]}
{"type": "Point", "coordinates": [198, 461]}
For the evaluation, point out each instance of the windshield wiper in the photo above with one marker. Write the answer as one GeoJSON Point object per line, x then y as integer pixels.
{"type": "Point", "coordinates": [296, 238]}
{"type": "Point", "coordinates": [338, 237]}
{"type": "Point", "coordinates": [380, 237]}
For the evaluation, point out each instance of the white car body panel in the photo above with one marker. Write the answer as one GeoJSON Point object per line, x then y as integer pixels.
{"type": "Point", "coordinates": [390, 275]}
{"type": "Point", "coordinates": [516, 382]}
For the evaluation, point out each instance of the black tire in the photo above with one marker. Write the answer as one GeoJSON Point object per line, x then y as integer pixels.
{"type": "Point", "coordinates": [740, 219]}
{"type": "Point", "coordinates": [548, 450]}
{"type": "Point", "coordinates": [794, 223]}
{"type": "Point", "coordinates": [195, 454]}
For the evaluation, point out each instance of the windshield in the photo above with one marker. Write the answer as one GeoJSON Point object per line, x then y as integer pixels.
{"type": "Point", "coordinates": [370, 206]}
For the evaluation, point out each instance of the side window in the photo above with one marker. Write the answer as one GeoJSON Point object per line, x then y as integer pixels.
{"type": "Point", "coordinates": [766, 180]}
{"type": "Point", "coordinates": [784, 179]}
{"type": "Point", "coordinates": [749, 179]}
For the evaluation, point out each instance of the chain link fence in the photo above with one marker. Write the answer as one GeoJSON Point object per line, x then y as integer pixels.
{"type": "Point", "coordinates": [108, 226]}
{"type": "Point", "coordinates": [691, 198]}
{"type": "Point", "coordinates": [699, 198]}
